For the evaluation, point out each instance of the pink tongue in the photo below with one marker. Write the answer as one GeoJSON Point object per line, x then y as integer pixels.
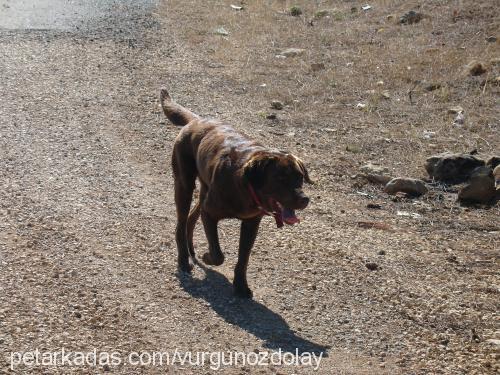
{"type": "Point", "coordinates": [283, 215]}
{"type": "Point", "coordinates": [289, 216]}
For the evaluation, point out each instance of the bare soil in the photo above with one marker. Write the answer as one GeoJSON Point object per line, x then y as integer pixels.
{"type": "Point", "coordinates": [87, 248]}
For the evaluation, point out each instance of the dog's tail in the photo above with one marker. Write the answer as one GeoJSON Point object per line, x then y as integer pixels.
{"type": "Point", "coordinates": [176, 113]}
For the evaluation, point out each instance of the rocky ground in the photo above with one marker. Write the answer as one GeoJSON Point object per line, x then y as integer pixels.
{"type": "Point", "coordinates": [378, 283]}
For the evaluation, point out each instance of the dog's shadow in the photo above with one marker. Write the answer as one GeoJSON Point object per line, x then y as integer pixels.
{"type": "Point", "coordinates": [247, 314]}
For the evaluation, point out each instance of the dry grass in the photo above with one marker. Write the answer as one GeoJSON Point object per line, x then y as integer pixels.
{"type": "Point", "coordinates": [368, 58]}
{"type": "Point", "coordinates": [359, 49]}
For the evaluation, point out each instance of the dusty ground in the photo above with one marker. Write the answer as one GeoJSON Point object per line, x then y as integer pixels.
{"type": "Point", "coordinates": [87, 217]}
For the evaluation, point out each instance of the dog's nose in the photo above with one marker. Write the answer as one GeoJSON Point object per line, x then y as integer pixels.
{"type": "Point", "coordinates": [303, 201]}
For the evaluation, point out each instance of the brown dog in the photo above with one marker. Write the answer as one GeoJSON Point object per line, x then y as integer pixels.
{"type": "Point", "coordinates": [239, 178]}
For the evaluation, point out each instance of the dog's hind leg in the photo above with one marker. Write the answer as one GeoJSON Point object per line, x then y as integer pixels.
{"type": "Point", "coordinates": [193, 218]}
{"type": "Point", "coordinates": [191, 223]}
{"type": "Point", "coordinates": [184, 175]}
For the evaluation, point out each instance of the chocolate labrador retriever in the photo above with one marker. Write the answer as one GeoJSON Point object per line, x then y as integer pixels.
{"type": "Point", "coordinates": [239, 178]}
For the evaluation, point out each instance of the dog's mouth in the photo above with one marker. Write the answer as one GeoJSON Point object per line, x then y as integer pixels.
{"type": "Point", "coordinates": [282, 214]}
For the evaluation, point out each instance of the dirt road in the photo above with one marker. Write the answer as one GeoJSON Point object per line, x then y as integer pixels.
{"type": "Point", "coordinates": [87, 220]}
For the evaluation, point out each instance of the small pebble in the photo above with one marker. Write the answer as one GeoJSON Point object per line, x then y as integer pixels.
{"type": "Point", "coordinates": [371, 266]}
{"type": "Point", "coordinates": [276, 104]}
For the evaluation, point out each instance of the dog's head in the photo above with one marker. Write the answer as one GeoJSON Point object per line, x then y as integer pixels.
{"type": "Point", "coordinates": [278, 178]}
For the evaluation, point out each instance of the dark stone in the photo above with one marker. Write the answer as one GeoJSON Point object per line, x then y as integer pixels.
{"type": "Point", "coordinates": [410, 186]}
{"type": "Point", "coordinates": [432, 86]}
{"type": "Point", "coordinates": [411, 17]}
{"type": "Point", "coordinates": [480, 189]}
{"type": "Point", "coordinates": [452, 168]}
{"type": "Point", "coordinates": [371, 266]}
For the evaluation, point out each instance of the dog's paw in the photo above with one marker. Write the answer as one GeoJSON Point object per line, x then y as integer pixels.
{"type": "Point", "coordinates": [207, 259]}
{"type": "Point", "coordinates": [186, 267]}
{"type": "Point", "coordinates": [243, 292]}
{"type": "Point", "coordinates": [191, 251]}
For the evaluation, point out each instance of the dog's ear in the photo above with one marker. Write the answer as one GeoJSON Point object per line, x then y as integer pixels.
{"type": "Point", "coordinates": [254, 170]}
{"type": "Point", "coordinates": [302, 168]}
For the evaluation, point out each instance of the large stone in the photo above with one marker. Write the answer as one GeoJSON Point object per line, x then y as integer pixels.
{"type": "Point", "coordinates": [409, 186]}
{"type": "Point", "coordinates": [481, 187]}
{"type": "Point", "coordinates": [373, 169]}
{"type": "Point", "coordinates": [452, 168]}
{"type": "Point", "coordinates": [411, 17]}
{"type": "Point", "coordinates": [375, 173]}
{"type": "Point", "coordinates": [494, 342]}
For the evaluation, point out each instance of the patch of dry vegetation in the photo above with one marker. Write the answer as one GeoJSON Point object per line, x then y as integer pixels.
{"type": "Point", "coordinates": [360, 49]}
{"type": "Point", "coordinates": [406, 77]}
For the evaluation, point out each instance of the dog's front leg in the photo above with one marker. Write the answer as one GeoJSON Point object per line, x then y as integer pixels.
{"type": "Point", "coordinates": [214, 257]}
{"type": "Point", "coordinates": [249, 229]}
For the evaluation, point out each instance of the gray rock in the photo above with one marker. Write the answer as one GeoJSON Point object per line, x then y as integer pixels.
{"type": "Point", "coordinates": [409, 186]}
{"type": "Point", "coordinates": [481, 187]}
{"type": "Point", "coordinates": [452, 168]}
{"type": "Point", "coordinates": [221, 31]}
{"type": "Point", "coordinates": [411, 17]}
{"type": "Point", "coordinates": [374, 169]}
{"type": "Point", "coordinates": [375, 173]}
{"type": "Point", "coordinates": [276, 104]}
{"type": "Point", "coordinates": [316, 67]}
{"type": "Point", "coordinates": [292, 52]}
